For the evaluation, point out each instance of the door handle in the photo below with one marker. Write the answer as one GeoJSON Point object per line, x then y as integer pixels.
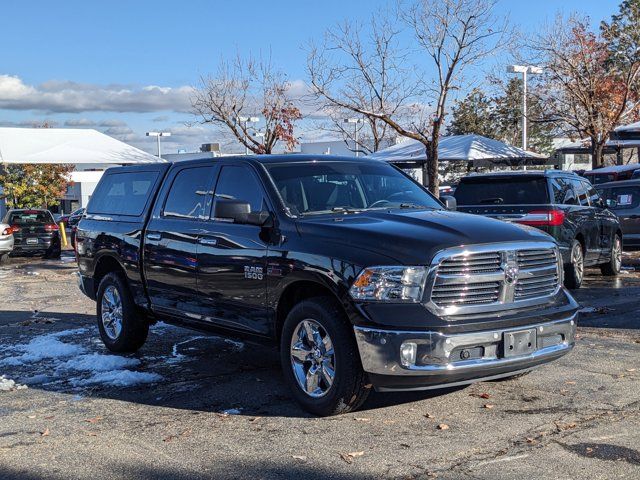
{"type": "Point", "coordinates": [208, 241]}
{"type": "Point", "coordinates": [154, 236]}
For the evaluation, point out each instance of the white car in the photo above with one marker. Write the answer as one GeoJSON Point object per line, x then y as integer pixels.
{"type": "Point", "coordinates": [6, 241]}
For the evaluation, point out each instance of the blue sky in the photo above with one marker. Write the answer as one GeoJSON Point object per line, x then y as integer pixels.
{"type": "Point", "coordinates": [124, 67]}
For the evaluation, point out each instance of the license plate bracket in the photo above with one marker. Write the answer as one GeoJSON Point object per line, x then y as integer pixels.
{"type": "Point", "coordinates": [522, 342]}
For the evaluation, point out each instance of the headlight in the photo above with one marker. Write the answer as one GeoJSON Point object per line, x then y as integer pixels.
{"type": "Point", "coordinates": [390, 284]}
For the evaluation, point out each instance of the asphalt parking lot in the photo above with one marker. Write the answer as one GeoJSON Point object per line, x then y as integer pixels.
{"type": "Point", "coordinates": [194, 406]}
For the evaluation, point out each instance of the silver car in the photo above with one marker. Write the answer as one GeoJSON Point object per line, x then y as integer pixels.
{"type": "Point", "coordinates": [6, 241]}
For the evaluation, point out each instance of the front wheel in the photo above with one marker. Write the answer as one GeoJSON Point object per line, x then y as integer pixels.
{"type": "Point", "coordinates": [574, 271]}
{"type": "Point", "coordinates": [122, 328]}
{"type": "Point", "coordinates": [612, 267]}
{"type": "Point", "coordinates": [320, 358]}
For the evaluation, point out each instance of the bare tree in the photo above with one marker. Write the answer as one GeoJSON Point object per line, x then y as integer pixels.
{"type": "Point", "coordinates": [352, 73]}
{"type": "Point", "coordinates": [584, 91]}
{"type": "Point", "coordinates": [454, 35]}
{"type": "Point", "coordinates": [246, 88]}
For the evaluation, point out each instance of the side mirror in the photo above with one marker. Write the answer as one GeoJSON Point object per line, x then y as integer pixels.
{"type": "Point", "coordinates": [449, 202]}
{"type": "Point", "coordinates": [239, 211]}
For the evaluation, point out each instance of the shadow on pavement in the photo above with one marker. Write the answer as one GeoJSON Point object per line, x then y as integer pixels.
{"type": "Point", "coordinates": [198, 371]}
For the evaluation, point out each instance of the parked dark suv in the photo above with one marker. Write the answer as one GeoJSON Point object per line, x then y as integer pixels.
{"type": "Point", "coordinates": [623, 198]}
{"type": "Point", "coordinates": [361, 277]}
{"type": "Point", "coordinates": [563, 204]}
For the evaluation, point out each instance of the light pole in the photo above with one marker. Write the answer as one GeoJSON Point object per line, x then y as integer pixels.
{"type": "Point", "coordinates": [158, 135]}
{"type": "Point", "coordinates": [355, 122]}
{"type": "Point", "coordinates": [524, 70]}
{"type": "Point", "coordinates": [245, 121]}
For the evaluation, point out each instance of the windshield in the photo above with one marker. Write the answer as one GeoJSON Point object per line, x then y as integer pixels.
{"type": "Point", "coordinates": [502, 191]}
{"type": "Point", "coordinates": [309, 188]}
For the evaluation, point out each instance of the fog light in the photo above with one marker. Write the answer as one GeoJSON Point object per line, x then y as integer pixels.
{"type": "Point", "coordinates": [408, 351]}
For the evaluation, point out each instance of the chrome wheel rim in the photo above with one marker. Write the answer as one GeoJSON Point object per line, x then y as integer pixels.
{"type": "Point", "coordinates": [312, 358]}
{"type": "Point", "coordinates": [617, 254]}
{"type": "Point", "coordinates": [112, 312]}
{"type": "Point", "coordinates": [577, 261]}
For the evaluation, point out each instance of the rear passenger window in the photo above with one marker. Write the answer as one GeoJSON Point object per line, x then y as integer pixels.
{"type": "Point", "coordinates": [122, 193]}
{"type": "Point", "coordinates": [563, 194]}
{"type": "Point", "coordinates": [239, 183]}
{"type": "Point", "coordinates": [594, 197]}
{"type": "Point", "coordinates": [580, 188]}
{"type": "Point", "coordinates": [190, 196]}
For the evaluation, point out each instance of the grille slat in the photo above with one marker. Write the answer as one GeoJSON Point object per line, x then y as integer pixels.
{"type": "Point", "coordinates": [471, 263]}
{"type": "Point", "coordinates": [454, 284]}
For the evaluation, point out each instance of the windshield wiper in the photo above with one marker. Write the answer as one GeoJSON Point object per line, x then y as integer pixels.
{"type": "Point", "coordinates": [412, 205]}
{"type": "Point", "coordinates": [345, 210]}
{"type": "Point", "coordinates": [492, 200]}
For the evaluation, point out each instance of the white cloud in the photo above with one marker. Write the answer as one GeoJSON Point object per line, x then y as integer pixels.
{"type": "Point", "coordinates": [80, 122]}
{"type": "Point", "coordinates": [72, 97]}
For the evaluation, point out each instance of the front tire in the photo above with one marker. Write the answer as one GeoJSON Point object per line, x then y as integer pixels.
{"type": "Point", "coordinates": [320, 358]}
{"type": "Point", "coordinates": [613, 266]}
{"type": "Point", "coordinates": [122, 328]}
{"type": "Point", "coordinates": [574, 271]}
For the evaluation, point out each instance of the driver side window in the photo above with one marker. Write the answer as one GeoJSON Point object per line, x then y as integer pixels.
{"type": "Point", "coordinates": [239, 183]}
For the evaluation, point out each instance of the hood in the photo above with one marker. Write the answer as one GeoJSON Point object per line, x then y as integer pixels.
{"type": "Point", "coordinates": [414, 236]}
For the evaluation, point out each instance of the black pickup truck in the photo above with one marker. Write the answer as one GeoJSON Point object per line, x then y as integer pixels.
{"type": "Point", "coordinates": [360, 276]}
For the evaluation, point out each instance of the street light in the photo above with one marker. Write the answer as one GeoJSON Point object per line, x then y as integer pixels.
{"type": "Point", "coordinates": [245, 121]}
{"type": "Point", "coordinates": [158, 135]}
{"type": "Point", "coordinates": [524, 70]}
{"type": "Point", "coordinates": [355, 122]}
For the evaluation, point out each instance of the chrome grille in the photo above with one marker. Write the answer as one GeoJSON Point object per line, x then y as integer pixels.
{"type": "Point", "coordinates": [473, 263]}
{"type": "Point", "coordinates": [536, 258]}
{"type": "Point", "coordinates": [494, 277]}
{"type": "Point", "coordinates": [466, 294]}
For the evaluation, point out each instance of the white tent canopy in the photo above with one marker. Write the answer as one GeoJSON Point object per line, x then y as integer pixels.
{"type": "Point", "coordinates": [62, 145]}
{"type": "Point", "coordinates": [457, 148]}
{"type": "Point", "coordinates": [632, 127]}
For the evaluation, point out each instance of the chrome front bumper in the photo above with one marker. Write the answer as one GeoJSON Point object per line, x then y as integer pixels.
{"type": "Point", "coordinates": [440, 355]}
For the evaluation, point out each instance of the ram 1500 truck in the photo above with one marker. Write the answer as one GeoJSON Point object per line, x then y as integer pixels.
{"type": "Point", "coordinates": [360, 276]}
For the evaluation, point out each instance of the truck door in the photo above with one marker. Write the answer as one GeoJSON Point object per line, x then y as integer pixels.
{"type": "Point", "coordinates": [607, 223]}
{"type": "Point", "coordinates": [232, 258]}
{"type": "Point", "coordinates": [170, 256]}
{"type": "Point", "coordinates": [587, 223]}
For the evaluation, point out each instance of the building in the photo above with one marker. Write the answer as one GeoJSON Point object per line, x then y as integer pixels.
{"type": "Point", "coordinates": [90, 151]}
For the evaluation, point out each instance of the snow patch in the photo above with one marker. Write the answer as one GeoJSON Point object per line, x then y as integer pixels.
{"type": "Point", "coordinates": [232, 411]}
{"type": "Point", "coordinates": [45, 347]}
{"type": "Point", "coordinates": [95, 362]}
{"type": "Point", "coordinates": [588, 310]}
{"type": "Point", "coordinates": [119, 378]}
{"type": "Point", "coordinates": [8, 385]}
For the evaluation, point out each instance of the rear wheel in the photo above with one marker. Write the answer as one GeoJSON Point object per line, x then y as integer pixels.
{"type": "Point", "coordinates": [320, 358]}
{"type": "Point", "coordinates": [612, 267]}
{"type": "Point", "coordinates": [574, 272]}
{"type": "Point", "coordinates": [122, 328]}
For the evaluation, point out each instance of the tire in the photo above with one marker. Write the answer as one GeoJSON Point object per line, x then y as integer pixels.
{"type": "Point", "coordinates": [127, 331]}
{"type": "Point", "coordinates": [612, 267]}
{"type": "Point", "coordinates": [574, 271]}
{"type": "Point", "coordinates": [324, 317]}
